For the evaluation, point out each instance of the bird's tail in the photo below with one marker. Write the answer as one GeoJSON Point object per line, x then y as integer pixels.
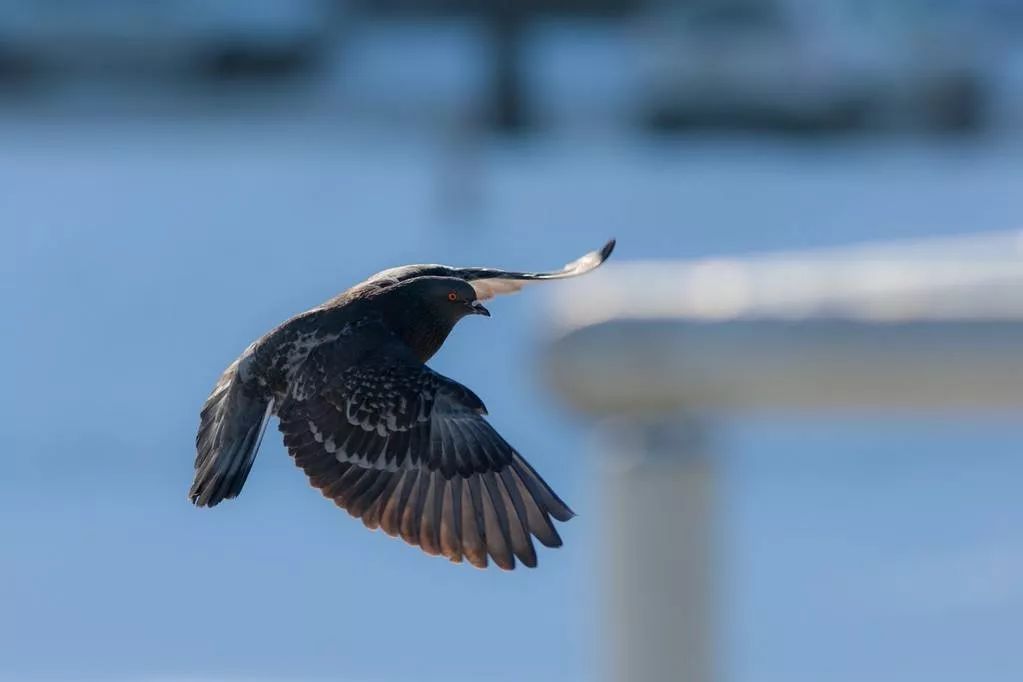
{"type": "Point", "coordinates": [231, 426]}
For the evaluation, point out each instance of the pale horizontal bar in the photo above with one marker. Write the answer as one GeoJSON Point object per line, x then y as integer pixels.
{"type": "Point", "coordinates": [932, 324]}
{"type": "Point", "coordinates": [652, 366]}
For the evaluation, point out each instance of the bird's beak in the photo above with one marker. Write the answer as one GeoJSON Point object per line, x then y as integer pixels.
{"type": "Point", "coordinates": [477, 309]}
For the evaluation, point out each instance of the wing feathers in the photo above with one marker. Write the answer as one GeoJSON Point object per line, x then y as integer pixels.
{"type": "Point", "coordinates": [390, 517]}
{"type": "Point", "coordinates": [521, 541]}
{"type": "Point", "coordinates": [474, 544]}
{"type": "Point", "coordinates": [409, 527]}
{"type": "Point", "coordinates": [429, 527]}
{"type": "Point", "coordinates": [231, 427]}
{"type": "Point", "coordinates": [409, 451]}
{"type": "Point", "coordinates": [540, 491]}
{"type": "Point", "coordinates": [490, 282]}
{"type": "Point", "coordinates": [450, 520]}
{"type": "Point", "coordinates": [371, 517]}
{"type": "Point", "coordinates": [539, 521]}
{"type": "Point", "coordinates": [496, 526]}
{"type": "Point", "coordinates": [367, 491]}
{"type": "Point", "coordinates": [491, 514]}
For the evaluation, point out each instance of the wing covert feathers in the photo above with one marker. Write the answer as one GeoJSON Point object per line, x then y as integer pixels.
{"type": "Point", "coordinates": [408, 451]}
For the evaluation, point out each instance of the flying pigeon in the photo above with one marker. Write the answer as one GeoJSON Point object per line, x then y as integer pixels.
{"type": "Point", "coordinates": [385, 437]}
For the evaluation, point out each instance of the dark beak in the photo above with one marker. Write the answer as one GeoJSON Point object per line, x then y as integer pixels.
{"type": "Point", "coordinates": [477, 309]}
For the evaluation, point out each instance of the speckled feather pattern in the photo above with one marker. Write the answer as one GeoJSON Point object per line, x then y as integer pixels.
{"type": "Point", "coordinates": [397, 445]}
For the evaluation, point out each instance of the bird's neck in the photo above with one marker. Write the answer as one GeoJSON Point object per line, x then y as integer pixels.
{"type": "Point", "coordinates": [425, 337]}
{"type": "Point", "coordinates": [421, 327]}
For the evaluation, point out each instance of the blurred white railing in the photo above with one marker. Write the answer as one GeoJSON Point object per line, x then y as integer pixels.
{"type": "Point", "coordinates": [662, 350]}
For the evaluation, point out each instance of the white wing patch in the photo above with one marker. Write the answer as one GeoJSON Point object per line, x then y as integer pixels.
{"type": "Point", "coordinates": [489, 287]}
{"type": "Point", "coordinates": [486, 289]}
{"type": "Point", "coordinates": [585, 263]}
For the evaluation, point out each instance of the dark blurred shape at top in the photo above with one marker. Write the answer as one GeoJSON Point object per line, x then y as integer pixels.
{"type": "Point", "coordinates": [584, 8]}
{"type": "Point", "coordinates": [668, 65]}
{"type": "Point", "coordinates": [122, 37]}
{"type": "Point", "coordinates": [814, 66]}
{"type": "Point", "coordinates": [508, 108]}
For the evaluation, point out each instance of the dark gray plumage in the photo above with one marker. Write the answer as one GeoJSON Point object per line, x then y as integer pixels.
{"type": "Point", "coordinates": [388, 439]}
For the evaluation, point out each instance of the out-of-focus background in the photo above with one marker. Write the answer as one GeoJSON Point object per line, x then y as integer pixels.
{"type": "Point", "coordinates": [176, 177]}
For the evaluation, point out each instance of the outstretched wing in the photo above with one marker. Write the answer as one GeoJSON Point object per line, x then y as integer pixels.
{"type": "Point", "coordinates": [489, 282]}
{"type": "Point", "coordinates": [408, 450]}
{"type": "Point", "coordinates": [230, 428]}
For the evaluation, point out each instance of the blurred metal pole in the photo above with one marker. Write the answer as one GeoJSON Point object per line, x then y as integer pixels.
{"type": "Point", "coordinates": [929, 325]}
{"type": "Point", "coordinates": [660, 492]}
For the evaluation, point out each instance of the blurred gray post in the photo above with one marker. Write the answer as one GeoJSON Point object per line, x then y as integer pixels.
{"type": "Point", "coordinates": [925, 325]}
{"type": "Point", "coordinates": [659, 490]}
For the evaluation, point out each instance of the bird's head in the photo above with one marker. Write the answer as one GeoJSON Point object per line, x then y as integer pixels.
{"type": "Point", "coordinates": [448, 299]}
{"type": "Point", "coordinates": [452, 298]}
{"type": "Point", "coordinates": [424, 310]}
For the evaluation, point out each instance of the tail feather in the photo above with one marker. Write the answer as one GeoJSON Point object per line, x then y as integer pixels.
{"type": "Point", "coordinates": [230, 429]}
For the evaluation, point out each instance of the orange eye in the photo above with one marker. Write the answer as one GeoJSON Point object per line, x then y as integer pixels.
{"type": "Point", "coordinates": [452, 296]}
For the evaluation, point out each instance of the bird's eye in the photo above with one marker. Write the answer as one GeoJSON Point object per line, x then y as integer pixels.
{"type": "Point", "coordinates": [452, 296]}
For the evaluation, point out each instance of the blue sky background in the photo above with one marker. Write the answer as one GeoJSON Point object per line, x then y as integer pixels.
{"type": "Point", "coordinates": [138, 259]}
